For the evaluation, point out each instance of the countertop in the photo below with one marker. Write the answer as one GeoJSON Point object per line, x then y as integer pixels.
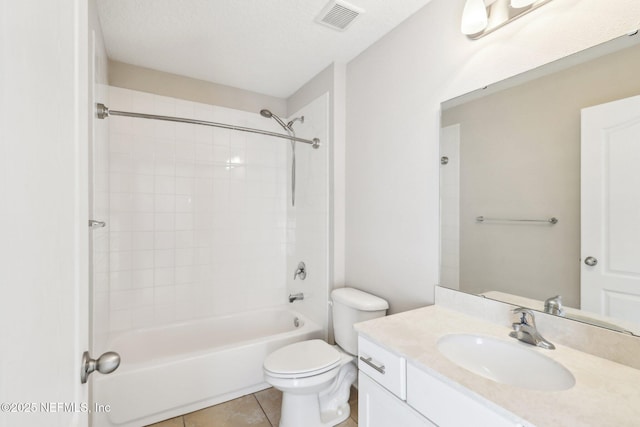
{"type": "Point", "coordinates": [605, 394]}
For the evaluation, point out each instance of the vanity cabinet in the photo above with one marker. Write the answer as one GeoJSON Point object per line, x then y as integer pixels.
{"type": "Point", "coordinates": [394, 392]}
{"type": "Point", "coordinates": [377, 407]}
{"type": "Point", "coordinates": [448, 407]}
{"type": "Point", "coordinates": [382, 389]}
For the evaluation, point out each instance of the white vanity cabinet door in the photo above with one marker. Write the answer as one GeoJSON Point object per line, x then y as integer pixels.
{"type": "Point", "coordinates": [448, 407]}
{"type": "Point", "coordinates": [383, 366]}
{"type": "Point", "coordinates": [379, 408]}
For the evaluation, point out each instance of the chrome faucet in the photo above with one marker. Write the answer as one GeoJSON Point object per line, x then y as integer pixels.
{"type": "Point", "coordinates": [295, 297]}
{"type": "Point", "coordinates": [553, 305]}
{"type": "Point", "coordinates": [301, 271]}
{"type": "Point", "coordinates": [525, 329]}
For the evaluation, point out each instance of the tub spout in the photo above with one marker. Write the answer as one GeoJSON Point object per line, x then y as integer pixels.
{"type": "Point", "coordinates": [295, 297]}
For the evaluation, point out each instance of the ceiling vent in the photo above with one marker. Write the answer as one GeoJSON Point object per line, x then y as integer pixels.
{"type": "Point", "coordinates": [339, 15]}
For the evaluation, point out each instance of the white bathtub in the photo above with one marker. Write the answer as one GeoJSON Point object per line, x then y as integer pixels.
{"type": "Point", "coordinates": [173, 370]}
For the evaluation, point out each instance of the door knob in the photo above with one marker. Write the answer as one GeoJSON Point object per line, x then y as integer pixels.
{"type": "Point", "coordinates": [590, 261]}
{"type": "Point", "coordinates": [104, 364]}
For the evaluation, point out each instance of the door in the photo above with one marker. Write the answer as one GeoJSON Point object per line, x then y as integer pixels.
{"type": "Point", "coordinates": [610, 209]}
{"type": "Point", "coordinates": [377, 407]}
{"type": "Point", "coordinates": [43, 212]}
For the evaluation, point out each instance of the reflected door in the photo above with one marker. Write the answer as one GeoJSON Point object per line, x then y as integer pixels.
{"type": "Point", "coordinates": [610, 209]}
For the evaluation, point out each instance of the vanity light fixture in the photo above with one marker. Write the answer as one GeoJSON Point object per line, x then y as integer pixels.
{"type": "Point", "coordinates": [521, 3]}
{"type": "Point", "coordinates": [474, 17]}
{"type": "Point", "coordinates": [482, 17]}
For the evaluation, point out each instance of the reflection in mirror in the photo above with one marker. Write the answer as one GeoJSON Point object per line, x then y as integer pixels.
{"type": "Point", "coordinates": [539, 146]}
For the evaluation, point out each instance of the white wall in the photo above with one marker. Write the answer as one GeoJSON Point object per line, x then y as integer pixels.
{"type": "Point", "coordinates": [198, 214]}
{"type": "Point", "coordinates": [130, 76]}
{"type": "Point", "coordinates": [394, 90]}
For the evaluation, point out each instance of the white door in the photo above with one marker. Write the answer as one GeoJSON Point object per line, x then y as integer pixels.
{"type": "Point", "coordinates": [43, 212]}
{"type": "Point", "coordinates": [610, 211]}
{"type": "Point", "coordinates": [377, 407]}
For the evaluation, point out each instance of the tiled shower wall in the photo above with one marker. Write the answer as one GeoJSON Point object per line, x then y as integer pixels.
{"type": "Point", "coordinates": [198, 214]}
{"type": "Point", "coordinates": [309, 220]}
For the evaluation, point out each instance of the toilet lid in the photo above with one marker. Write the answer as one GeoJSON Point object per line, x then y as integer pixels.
{"type": "Point", "coordinates": [310, 357]}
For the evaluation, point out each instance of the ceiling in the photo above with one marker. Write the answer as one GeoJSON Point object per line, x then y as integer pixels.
{"type": "Point", "coordinates": [271, 47]}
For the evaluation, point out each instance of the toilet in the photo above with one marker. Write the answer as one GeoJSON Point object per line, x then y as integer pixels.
{"type": "Point", "coordinates": [315, 377]}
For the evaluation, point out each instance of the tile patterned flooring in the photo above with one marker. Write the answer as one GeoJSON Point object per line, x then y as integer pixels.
{"type": "Point", "coordinates": [261, 409]}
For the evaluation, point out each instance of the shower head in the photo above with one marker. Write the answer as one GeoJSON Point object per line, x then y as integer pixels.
{"type": "Point", "coordinates": [269, 115]}
{"type": "Point", "coordinates": [297, 119]}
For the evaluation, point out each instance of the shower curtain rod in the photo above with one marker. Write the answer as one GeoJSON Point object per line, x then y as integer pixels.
{"type": "Point", "coordinates": [102, 112]}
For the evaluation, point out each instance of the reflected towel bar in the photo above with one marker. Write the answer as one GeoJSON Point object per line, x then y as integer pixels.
{"type": "Point", "coordinates": [552, 220]}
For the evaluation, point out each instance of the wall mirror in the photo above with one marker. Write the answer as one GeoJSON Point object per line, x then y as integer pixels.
{"type": "Point", "coordinates": [540, 188]}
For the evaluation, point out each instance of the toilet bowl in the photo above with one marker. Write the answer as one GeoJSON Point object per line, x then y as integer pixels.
{"type": "Point", "coordinates": [315, 377]}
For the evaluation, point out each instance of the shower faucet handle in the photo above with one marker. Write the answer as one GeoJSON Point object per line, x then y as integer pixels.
{"type": "Point", "coordinates": [300, 271]}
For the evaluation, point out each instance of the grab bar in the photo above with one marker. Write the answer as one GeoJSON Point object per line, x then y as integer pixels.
{"type": "Point", "coordinates": [553, 220]}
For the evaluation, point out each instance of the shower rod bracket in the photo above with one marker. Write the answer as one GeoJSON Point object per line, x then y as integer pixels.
{"type": "Point", "coordinates": [102, 112]}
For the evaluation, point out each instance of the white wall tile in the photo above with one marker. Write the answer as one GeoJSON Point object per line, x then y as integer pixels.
{"type": "Point", "coordinates": [164, 258]}
{"type": "Point", "coordinates": [141, 164]}
{"type": "Point", "coordinates": [141, 240]}
{"type": "Point", "coordinates": [191, 207]}
{"type": "Point", "coordinates": [165, 240]}
{"type": "Point", "coordinates": [141, 183]}
{"type": "Point", "coordinates": [164, 221]}
{"type": "Point", "coordinates": [142, 278]}
{"type": "Point", "coordinates": [164, 184]}
{"type": "Point", "coordinates": [163, 276]}
{"type": "Point", "coordinates": [185, 169]}
{"type": "Point", "coordinates": [142, 260]}
{"type": "Point", "coordinates": [142, 222]}
{"type": "Point", "coordinates": [165, 203]}
{"type": "Point", "coordinates": [184, 186]}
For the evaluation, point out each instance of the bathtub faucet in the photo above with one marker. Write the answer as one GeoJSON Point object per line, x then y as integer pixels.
{"type": "Point", "coordinates": [295, 297]}
{"type": "Point", "coordinates": [301, 271]}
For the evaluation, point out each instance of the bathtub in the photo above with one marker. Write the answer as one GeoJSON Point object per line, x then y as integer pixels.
{"type": "Point", "coordinates": [176, 369]}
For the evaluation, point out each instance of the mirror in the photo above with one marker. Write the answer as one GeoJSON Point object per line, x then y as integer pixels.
{"type": "Point", "coordinates": [512, 204]}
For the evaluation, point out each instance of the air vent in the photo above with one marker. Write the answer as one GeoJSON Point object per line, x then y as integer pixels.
{"type": "Point", "coordinates": [338, 15]}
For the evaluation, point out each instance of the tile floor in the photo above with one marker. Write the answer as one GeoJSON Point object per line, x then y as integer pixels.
{"type": "Point", "coordinates": [261, 409]}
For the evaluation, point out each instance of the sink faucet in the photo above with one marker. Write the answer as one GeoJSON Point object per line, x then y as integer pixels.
{"type": "Point", "coordinates": [525, 329]}
{"type": "Point", "coordinates": [553, 305]}
{"type": "Point", "coordinates": [295, 297]}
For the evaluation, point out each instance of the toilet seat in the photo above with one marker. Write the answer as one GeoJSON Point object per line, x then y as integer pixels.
{"type": "Point", "coordinates": [302, 359]}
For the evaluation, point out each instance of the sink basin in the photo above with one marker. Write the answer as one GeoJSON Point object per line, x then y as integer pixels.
{"type": "Point", "coordinates": [512, 363]}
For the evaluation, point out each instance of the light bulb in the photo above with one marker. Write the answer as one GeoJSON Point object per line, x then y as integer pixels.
{"type": "Point", "coordinates": [474, 17]}
{"type": "Point", "coordinates": [517, 4]}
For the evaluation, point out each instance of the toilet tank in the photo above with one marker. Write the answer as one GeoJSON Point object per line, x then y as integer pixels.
{"type": "Point", "coordinates": [351, 306]}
